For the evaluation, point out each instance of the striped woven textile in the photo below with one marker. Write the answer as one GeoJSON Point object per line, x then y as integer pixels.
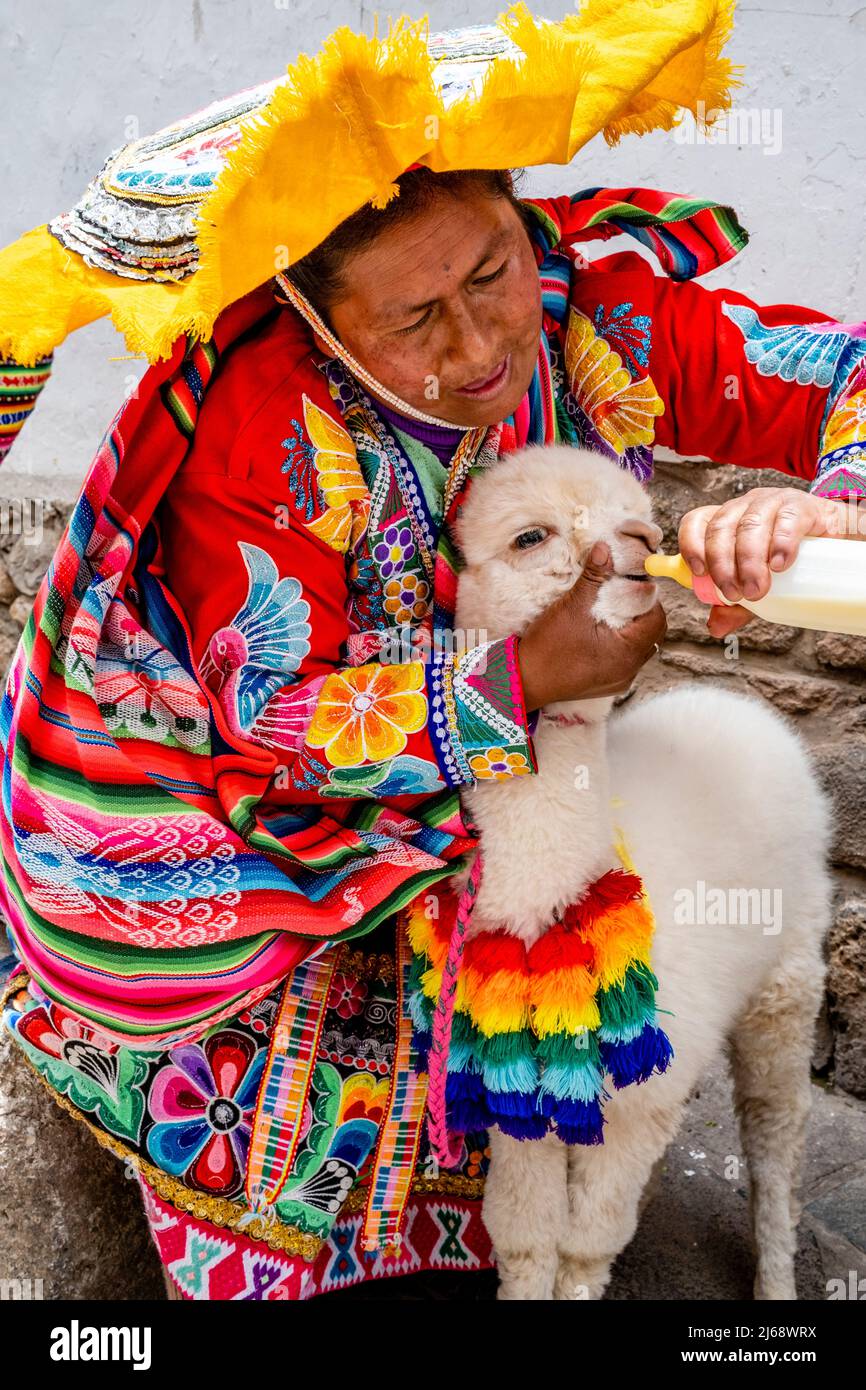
{"type": "Point", "coordinates": [288, 1068]}
{"type": "Point", "coordinates": [397, 1151]}
{"type": "Point", "coordinates": [20, 388]}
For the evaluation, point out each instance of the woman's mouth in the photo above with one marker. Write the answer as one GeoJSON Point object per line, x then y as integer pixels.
{"type": "Point", "coordinates": [481, 390]}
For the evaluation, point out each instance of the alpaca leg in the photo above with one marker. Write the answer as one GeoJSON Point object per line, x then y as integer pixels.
{"type": "Point", "coordinates": [770, 1049]}
{"type": "Point", "coordinates": [606, 1191]}
{"type": "Point", "coordinates": [653, 1183]}
{"type": "Point", "coordinates": [525, 1210]}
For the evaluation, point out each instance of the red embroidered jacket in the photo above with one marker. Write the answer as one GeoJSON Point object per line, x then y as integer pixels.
{"type": "Point", "coordinates": [260, 528]}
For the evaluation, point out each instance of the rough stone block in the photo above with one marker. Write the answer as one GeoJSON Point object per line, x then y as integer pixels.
{"type": "Point", "coordinates": [846, 984]}
{"type": "Point", "coordinates": [68, 1215]}
{"type": "Point", "coordinates": [840, 650]}
{"type": "Point", "coordinates": [842, 768]}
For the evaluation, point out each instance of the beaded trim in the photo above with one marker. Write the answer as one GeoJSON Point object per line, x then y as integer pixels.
{"type": "Point", "coordinates": [466, 455]}
{"type": "Point", "coordinates": [12, 986]}
{"type": "Point", "coordinates": [444, 725]}
{"type": "Point", "coordinates": [366, 967]}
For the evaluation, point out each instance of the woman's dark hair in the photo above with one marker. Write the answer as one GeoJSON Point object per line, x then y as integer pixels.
{"type": "Point", "coordinates": [320, 275]}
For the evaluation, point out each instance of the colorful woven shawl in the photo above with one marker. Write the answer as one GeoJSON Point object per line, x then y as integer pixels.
{"type": "Point", "coordinates": [143, 889]}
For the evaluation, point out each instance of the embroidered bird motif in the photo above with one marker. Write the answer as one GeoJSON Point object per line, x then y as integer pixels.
{"type": "Point", "coordinates": [252, 658]}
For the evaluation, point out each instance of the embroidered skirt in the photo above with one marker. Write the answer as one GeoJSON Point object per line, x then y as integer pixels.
{"type": "Point", "coordinates": [351, 1171]}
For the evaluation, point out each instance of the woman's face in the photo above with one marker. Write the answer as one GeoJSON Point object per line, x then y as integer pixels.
{"type": "Point", "coordinates": [442, 301]}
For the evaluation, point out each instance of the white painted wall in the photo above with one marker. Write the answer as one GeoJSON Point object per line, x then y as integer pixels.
{"type": "Point", "coordinates": [73, 74]}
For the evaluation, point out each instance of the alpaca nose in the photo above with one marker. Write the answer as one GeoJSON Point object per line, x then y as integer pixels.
{"type": "Point", "coordinates": [635, 528]}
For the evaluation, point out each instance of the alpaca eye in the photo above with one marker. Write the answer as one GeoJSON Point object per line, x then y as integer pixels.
{"type": "Point", "coordinates": [534, 536]}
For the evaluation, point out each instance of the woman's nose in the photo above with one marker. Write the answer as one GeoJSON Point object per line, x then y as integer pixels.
{"type": "Point", "coordinates": [635, 528]}
{"type": "Point", "coordinates": [472, 341]}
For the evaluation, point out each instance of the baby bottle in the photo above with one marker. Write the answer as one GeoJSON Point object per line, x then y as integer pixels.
{"type": "Point", "coordinates": [825, 587]}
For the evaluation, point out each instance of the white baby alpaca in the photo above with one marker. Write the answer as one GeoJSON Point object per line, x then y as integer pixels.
{"type": "Point", "coordinates": [709, 786]}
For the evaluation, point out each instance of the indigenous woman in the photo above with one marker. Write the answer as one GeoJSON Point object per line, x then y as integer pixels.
{"type": "Point", "coordinates": [239, 718]}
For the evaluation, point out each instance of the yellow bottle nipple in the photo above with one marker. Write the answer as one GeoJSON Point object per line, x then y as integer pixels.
{"type": "Point", "coordinates": [669, 567]}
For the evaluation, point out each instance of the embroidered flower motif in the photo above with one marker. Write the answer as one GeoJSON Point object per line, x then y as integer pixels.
{"type": "Point", "coordinates": [842, 465]}
{"type": "Point", "coordinates": [284, 719]}
{"type": "Point", "coordinates": [621, 410]}
{"type": "Point", "coordinates": [404, 776]}
{"type": "Point", "coordinates": [394, 550]}
{"type": "Point", "coordinates": [363, 1097]}
{"type": "Point", "coordinates": [347, 996]}
{"type": "Point", "coordinates": [365, 713]}
{"type": "Point", "coordinates": [339, 476]}
{"type": "Point", "coordinates": [102, 1078]}
{"type": "Point", "coordinates": [60, 1034]}
{"type": "Point", "coordinates": [407, 598]}
{"type": "Point", "coordinates": [365, 610]}
{"type": "Point", "coordinates": [631, 331]}
{"type": "Point", "coordinates": [477, 1159]}
{"type": "Point", "coordinates": [203, 1104]}
{"type": "Point", "coordinates": [847, 422]}
{"type": "Point", "coordinates": [301, 468]}
{"type": "Point", "coordinates": [495, 762]}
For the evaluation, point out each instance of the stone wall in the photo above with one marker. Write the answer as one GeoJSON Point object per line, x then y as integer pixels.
{"type": "Point", "coordinates": [816, 679]}
{"type": "Point", "coordinates": [30, 528]}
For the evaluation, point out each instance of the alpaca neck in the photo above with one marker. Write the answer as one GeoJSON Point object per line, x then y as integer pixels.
{"type": "Point", "coordinates": [545, 837]}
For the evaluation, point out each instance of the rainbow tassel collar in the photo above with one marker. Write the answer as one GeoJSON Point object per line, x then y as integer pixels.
{"type": "Point", "coordinates": [522, 1039]}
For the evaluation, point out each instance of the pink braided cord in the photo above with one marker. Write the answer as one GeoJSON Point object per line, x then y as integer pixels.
{"type": "Point", "coordinates": [447, 1148]}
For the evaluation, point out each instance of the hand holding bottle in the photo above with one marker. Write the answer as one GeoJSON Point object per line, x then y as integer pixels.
{"type": "Point", "coordinates": [745, 541]}
{"type": "Point", "coordinates": [824, 588]}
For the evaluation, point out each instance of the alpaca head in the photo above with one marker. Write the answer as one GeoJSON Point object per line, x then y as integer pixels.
{"type": "Point", "coordinates": [526, 531]}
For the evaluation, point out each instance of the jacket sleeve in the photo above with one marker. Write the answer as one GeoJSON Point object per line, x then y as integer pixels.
{"type": "Point", "coordinates": [777, 386]}
{"type": "Point", "coordinates": [268, 596]}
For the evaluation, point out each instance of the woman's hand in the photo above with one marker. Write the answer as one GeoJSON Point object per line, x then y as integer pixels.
{"type": "Point", "coordinates": [743, 542]}
{"type": "Point", "coordinates": [566, 654]}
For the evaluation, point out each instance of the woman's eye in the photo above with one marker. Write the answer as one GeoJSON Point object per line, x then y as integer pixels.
{"type": "Point", "coordinates": [486, 279]}
{"type": "Point", "coordinates": [480, 280]}
{"type": "Point", "coordinates": [413, 327]}
{"type": "Point", "coordinates": [534, 536]}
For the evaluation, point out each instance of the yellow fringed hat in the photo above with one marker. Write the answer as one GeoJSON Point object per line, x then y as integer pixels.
{"type": "Point", "coordinates": [179, 224]}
